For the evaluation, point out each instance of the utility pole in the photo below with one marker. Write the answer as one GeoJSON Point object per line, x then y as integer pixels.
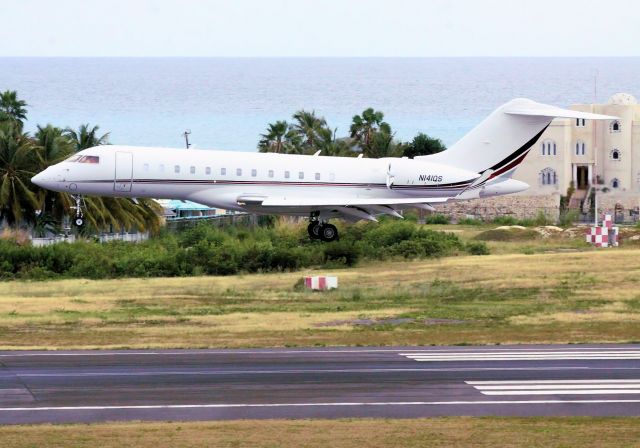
{"type": "Point", "coordinates": [186, 137]}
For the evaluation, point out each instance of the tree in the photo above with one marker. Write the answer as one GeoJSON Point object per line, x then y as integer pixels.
{"type": "Point", "coordinates": [18, 163]}
{"type": "Point", "coordinates": [307, 126]}
{"type": "Point", "coordinates": [274, 139]}
{"type": "Point", "coordinates": [12, 110]}
{"type": "Point", "coordinates": [86, 137]}
{"type": "Point", "coordinates": [331, 146]}
{"type": "Point", "coordinates": [53, 146]}
{"type": "Point", "coordinates": [423, 145]}
{"type": "Point", "coordinates": [365, 126]}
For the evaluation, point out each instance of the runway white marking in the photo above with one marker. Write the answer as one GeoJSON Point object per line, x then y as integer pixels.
{"type": "Point", "coordinates": [434, 350]}
{"type": "Point", "coordinates": [558, 387]}
{"type": "Point", "coordinates": [282, 405]}
{"type": "Point", "coordinates": [531, 355]}
{"type": "Point", "coordinates": [271, 372]}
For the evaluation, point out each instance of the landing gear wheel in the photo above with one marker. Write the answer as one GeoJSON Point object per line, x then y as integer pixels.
{"type": "Point", "coordinates": [79, 222]}
{"type": "Point", "coordinates": [314, 230]}
{"type": "Point", "coordinates": [328, 233]}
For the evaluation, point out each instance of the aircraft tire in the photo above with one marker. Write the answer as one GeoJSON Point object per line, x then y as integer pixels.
{"type": "Point", "coordinates": [79, 222]}
{"type": "Point", "coordinates": [314, 230]}
{"type": "Point", "coordinates": [328, 233]}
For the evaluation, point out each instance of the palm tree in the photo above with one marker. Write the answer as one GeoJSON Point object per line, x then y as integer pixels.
{"type": "Point", "coordinates": [331, 146]}
{"type": "Point", "coordinates": [307, 125]}
{"type": "Point", "coordinates": [18, 163]}
{"type": "Point", "coordinates": [273, 139]}
{"type": "Point", "coordinates": [365, 126]}
{"type": "Point", "coordinates": [53, 146]}
{"type": "Point", "coordinates": [86, 137]}
{"type": "Point", "coordinates": [12, 110]}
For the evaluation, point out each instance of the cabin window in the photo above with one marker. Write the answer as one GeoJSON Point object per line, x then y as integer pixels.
{"type": "Point", "coordinates": [238, 171]}
{"type": "Point", "coordinates": [192, 170]}
{"type": "Point", "coordinates": [317, 176]}
{"type": "Point", "coordinates": [287, 174]}
{"type": "Point", "coordinates": [161, 167]}
{"type": "Point", "coordinates": [74, 158]}
{"type": "Point", "coordinates": [207, 170]}
{"type": "Point", "coordinates": [176, 169]}
{"type": "Point", "coordinates": [301, 175]}
{"type": "Point", "coordinates": [145, 167]}
{"type": "Point", "coordinates": [89, 159]}
{"type": "Point", "coordinates": [223, 171]}
{"type": "Point", "coordinates": [254, 172]}
{"type": "Point", "coordinates": [271, 173]}
{"type": "Point", "coordinates": [332, 177]}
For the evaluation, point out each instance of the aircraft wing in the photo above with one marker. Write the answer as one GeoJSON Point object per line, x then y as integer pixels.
{"type": "Point", "coordinates": [292, 201]}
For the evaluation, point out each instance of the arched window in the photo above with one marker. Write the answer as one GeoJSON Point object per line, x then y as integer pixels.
{"type": "Point", "coordinates": [614, 126]}
{"type": "Point", "coordinates": [549, 148]}
{"type": "Point", "coordinates": [615, 154]}
{"type": "Point", "coordinates": [615, 183]}
{"type": "Point", "coordinates": [580, 148]}
{"type": "Point", "coordinates": [548, 176]}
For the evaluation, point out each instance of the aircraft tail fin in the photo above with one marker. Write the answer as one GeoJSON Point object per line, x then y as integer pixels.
{"type": "Point", "coordinates": [503, 139]}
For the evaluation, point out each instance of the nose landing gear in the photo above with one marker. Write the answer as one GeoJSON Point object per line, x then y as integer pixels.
{"type": "Point", "coordinates": [324, 231]}
{"type": "Point", "coordinates": [78, 221]}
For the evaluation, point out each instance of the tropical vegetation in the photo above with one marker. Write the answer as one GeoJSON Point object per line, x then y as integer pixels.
{"type": "Point", "coordinates": [369, 135]}
{"type": "Point", "coordinates": [23, 155]}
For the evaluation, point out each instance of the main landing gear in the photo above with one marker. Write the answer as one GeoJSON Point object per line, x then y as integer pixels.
{"type": "Point", "coordinates": [322, 231]}
{"type": "Point", "coordinates": [78, 221]}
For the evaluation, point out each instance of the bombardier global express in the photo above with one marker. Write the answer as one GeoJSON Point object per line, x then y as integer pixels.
{"type": "Point", "coordinates": [479, 165]}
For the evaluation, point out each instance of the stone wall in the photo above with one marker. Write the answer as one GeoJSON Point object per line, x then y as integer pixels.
{"type": "Point", "coordinates": [520, 207]}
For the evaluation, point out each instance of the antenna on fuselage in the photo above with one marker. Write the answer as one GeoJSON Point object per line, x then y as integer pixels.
{"type": "Point", "coordinates": [186, 137]}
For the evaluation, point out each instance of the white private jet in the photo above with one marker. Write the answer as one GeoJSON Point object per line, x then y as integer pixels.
{"type": "Point", "coordinates": [479, 165]}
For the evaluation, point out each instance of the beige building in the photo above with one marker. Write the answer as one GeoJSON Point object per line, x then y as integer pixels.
{"type": "Point", "coordinates": [590, 154]}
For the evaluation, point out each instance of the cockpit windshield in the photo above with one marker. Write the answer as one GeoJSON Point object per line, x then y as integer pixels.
{"type": "Point", "coordinates": [84, 159]}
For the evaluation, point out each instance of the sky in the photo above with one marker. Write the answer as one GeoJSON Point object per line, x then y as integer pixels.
{"type": "Point", "coordinates": [320, 28]}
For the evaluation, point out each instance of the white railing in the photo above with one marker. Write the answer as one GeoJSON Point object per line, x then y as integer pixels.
{"type": "Point", "coordinates": [103, 238]}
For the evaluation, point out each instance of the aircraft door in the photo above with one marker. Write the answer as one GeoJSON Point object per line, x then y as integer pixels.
{"type": "Point", "coordinates": [124, 171]}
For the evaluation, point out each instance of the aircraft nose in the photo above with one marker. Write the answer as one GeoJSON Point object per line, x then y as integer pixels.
{"type": "Point", "coordinates": [43, 179]}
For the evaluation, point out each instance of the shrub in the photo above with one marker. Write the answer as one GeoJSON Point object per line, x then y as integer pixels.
{"type": "Point", "coordinates": [477, 248]}
{"type": "Point", "coordinates": [505, 220]}
{"type": "Point", "coordinates": [342, 252]}
{"type": "Point", "coordinates": [470, 222]}
{"type": "Point", "coordinates": [436, 219]}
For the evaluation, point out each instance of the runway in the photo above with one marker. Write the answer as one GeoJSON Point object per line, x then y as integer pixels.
{"type": "Point", "coordinates": [89, 386]}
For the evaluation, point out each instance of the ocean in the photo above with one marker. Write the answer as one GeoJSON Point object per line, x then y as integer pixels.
{"type": "Point", "coordinates": [226, 103]}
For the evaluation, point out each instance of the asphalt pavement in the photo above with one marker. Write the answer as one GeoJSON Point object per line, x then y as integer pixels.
{"type": "Point", "coordinates": [88, 386]}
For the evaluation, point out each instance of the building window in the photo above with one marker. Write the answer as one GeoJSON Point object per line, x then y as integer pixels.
{"type": "Point", "coordinates": [192, 170]}
{"type": "Point", "coordinates": [223, 171]}
{"type": "Point", "coordinates": [615, 183]}
{"type": "Point", "coordinates": [207, 170]}
{"type": "Point", "coordinates": [301, 175]}
{"type": "Point", "coordinates": [615, 126]}
{"type": "Point", "coordinates": [271, 173]}
{"type": "Point", "coordinates": [615, 154]}
{"type": "Point", "coordinates": [176, 169]}
{"type": "Point", "coordinates": [580, 122]}
{"type": "Point", "coordinates": [238, 171]}
{"type": "Point", "coordinates": [580, 148]}
{"type": "Point", "coordinates": [287, 174]}
{"type": "Point", "coordinates": [145, 167]}
{"type": "Point", "coordinates": [548, 176]}
{"type": "Point", "coordinates": [254, 172]}
{"type": "Point", "coordinates": [317, 176]}
{"type": "Point", "coordinates": [549, 148]}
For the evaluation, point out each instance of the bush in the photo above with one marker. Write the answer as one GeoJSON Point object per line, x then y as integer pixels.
{"type": "Point", "coordinates": [477, 248]}
{"type": "Point", "coordinates": [436, 219]}
{"type": "Point", "coordinates": [470, 222]}
{"type": "Point", "coordinates": [505, 220]}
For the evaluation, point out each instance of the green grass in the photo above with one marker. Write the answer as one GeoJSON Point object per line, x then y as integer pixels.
{"type": "Point", "coordinates": [507, 298]}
